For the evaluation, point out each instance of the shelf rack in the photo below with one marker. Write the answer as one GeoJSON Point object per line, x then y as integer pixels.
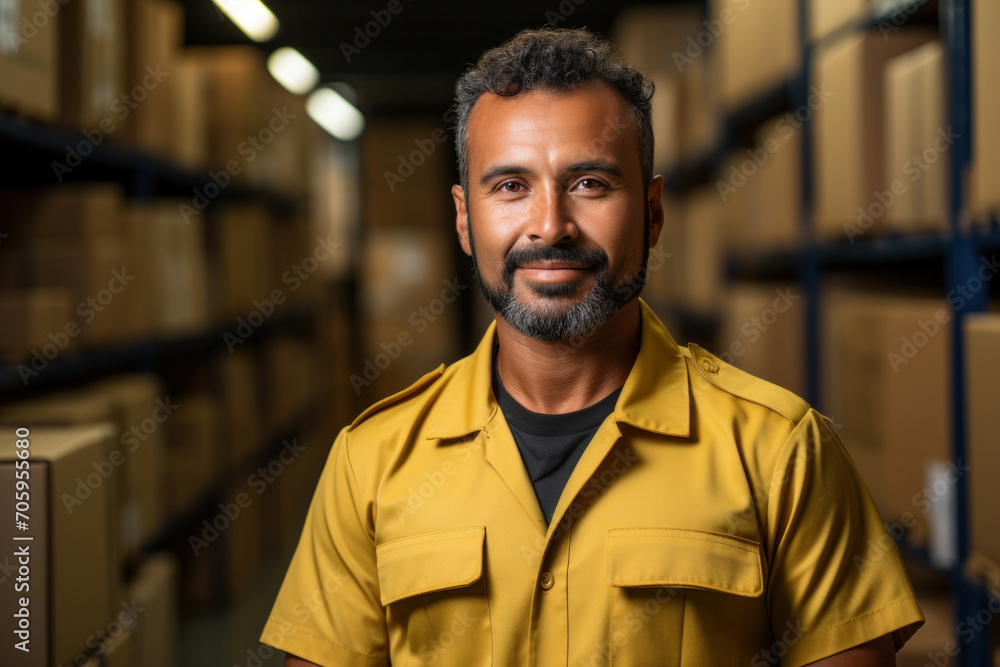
{"type": "Point", "coordinates": [959, 250]}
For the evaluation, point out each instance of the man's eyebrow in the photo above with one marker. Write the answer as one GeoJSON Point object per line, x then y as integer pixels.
{"type": "Point", "coordinates": [596, 165]}
{"type": "Point", "coordinates": [502, 170]}
{"type": "Point", "coordinates": [576, 167]}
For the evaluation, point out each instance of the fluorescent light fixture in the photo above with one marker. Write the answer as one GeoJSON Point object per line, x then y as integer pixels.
{"type": "Point", "coordinates": [250, 16]}
{"type": "Point", "coordinates": [291, 69]}
{"type": "Point", "coordinates": [335, 114]}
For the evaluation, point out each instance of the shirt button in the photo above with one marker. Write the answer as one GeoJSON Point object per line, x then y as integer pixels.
{"type": "Point", "coordinates": [547, 581]}
{"type": "Point", "coordinates": [709, 365]}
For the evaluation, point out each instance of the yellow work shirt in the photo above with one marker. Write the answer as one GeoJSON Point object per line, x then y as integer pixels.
{"type": "Point", "coordinates": [714, 519]}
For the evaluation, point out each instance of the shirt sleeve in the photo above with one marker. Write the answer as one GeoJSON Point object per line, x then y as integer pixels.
{"type": "Point", "coordinates": [328, 609]}
{"type": "Point", "coordinates": [836, 576]}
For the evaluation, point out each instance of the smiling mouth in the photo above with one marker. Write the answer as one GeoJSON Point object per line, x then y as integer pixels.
{"type": "Point", "coordinates": [553, 271]}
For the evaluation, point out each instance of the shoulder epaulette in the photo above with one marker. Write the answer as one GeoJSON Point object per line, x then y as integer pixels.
{"type": "Point", "coordinates": [750, 387]}
{"type": "Point", "coordinates": [420, 384]}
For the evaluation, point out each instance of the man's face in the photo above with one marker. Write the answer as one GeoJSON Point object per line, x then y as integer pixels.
{"type": "Point", "coordinates": [562, 219]}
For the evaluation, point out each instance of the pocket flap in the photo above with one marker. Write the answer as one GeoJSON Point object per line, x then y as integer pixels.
{"type": "Point", "coordinates": [429, 562]}
{"type": "Point", "coordinates": [686, 558]}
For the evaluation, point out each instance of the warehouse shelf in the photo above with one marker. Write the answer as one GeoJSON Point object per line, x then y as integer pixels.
{"type": "Point", "coordinates": [31, 149]}
{"type": "Point", "coordinates": [132, 355]}
{"type": "Point", "coordinates": [738, 127]}
{"type": "Point", "coordinates": [888, 16]}
{"type": "Point", "coordinates": [883, 250]}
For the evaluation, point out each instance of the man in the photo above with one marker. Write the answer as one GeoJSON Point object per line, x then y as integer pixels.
{"type": "Point", "coordinates": [581, 490]}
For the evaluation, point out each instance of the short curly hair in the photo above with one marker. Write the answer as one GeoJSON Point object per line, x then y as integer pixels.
{"type": "Point", "coordinates": [552, 59]}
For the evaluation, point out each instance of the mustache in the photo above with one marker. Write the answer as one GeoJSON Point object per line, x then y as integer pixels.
{"type": "Point", "coordinates": [596, 258]}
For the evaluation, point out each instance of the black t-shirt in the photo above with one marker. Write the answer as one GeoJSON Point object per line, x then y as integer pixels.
{"type": "Point", "coordinates": [550, 445]}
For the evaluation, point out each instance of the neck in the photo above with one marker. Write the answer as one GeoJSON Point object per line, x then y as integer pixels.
{"type": "Point", "coordinates": [555, 377]}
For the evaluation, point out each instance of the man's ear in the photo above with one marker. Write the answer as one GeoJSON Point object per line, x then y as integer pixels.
{"type": "Point", "coordinates": [461, 218]}
{"type": "Point", "coordinates": [654, 203]}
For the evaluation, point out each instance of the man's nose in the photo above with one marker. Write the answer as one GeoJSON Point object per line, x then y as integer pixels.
{"type": "Point", "coordinates": [550, 218]}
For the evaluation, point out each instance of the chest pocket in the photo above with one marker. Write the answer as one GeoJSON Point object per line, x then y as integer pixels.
{"type": "Point", "coordinates": [433, 586]}
{"type": "Point", "coordinates": [670, 586]}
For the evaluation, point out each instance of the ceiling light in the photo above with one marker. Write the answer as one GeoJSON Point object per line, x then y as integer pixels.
{"type": "Point", "coordinates": [250, 16]}
{"type": "Point", "coordinates": [292, 70]}
{"type": "Point", "coordinates": [335, 114]}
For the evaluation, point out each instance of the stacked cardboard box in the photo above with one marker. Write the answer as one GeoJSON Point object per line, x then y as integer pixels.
{"type": "Point", "coordinates": [194, 451]}
{"type": "Point", "coordinates": [407, 174]}
{"type": "Point", "coordinates": [982, 363]}
{"type": "Point", "coordinates": [851, 193]}
{"type": "Point", "coordinates": [763, 333]}
{"type": "Point", "coordinates": [30, 316]}
{"type": "Point", "coordinates": [985, 176]}
{"type": "Point", "coordinates": [825, 16]}
{"type": "Point", "coordinates": [29, 67]}
{"type": "Point", "coordinates": [918, 143]}
{"type": "Point", "coordinates": [698, 248]}
{"type": "Point", "coordinates": [757, 46]}
{"type": "Point", "coordinates": [153, 35]}
{"type": "Point", "coordinates": [131, 468]}
{"type": "Point", "coordinates": [409, 293]}
{"type": "Point", "coordinates": [333, 200]}
{"type": "Point", "coordinates": [72, 238]}
{"type": "Point", "coordinates": [69, 554]}
{"type": "Point", "coordinates": [246, 239]}
{"type": "Point", "coordinates": [289, 365]}
{"type": "Point", "coordinates": [177, 268]}
{"type": "Point", "coordinates": [244, 429]}
{"type": "Point", "coordinates": [91, 62]}
{"type": "Point", "coordinates": [885, 377]}
{"type": "Point", "coordinates": [661, 42]}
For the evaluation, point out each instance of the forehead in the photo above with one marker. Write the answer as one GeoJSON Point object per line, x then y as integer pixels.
{"type": "Point", "coordinates": [588, 120]}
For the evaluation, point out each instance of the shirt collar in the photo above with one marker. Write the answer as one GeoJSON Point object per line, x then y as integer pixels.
{"type": "Point", "coordinates": [655, 396]}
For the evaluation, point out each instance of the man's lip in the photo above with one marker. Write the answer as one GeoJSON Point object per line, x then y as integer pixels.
{"type": "Point", "coordinates": [550, 266]}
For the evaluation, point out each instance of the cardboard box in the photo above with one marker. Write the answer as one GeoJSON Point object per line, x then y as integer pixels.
{"type": "Point", "coordinates": [70, 559]}
{"type": "Point", "coordinates": [194, 451]}
{"type": "Point", "coordinates": [29, 66]}
{"type": "Point", "coordinates": [985, 173]}
{"type": "Point", "coordinates": [757, 46]}
{"type": "Point", "coordinates": [334, 200]}
{"type": "Point", "coordinates": [763, 329]}
{"type": "Point", "coordinates": [407, 174]}
{"type": "Point", "coordinates": [71, 210]}
{"type": "Point", "coordinates": [825, 16]}
{"type": "Point", "coordinates": [290, 380]}
{"type": "Point", "coordinates": [140, 408]}
{"type": "Point", "coordinates": [155, 590]}
{"type": "Point", "coordinates": [702, 255]}
{"type": "Point", "coordinates": [29, 316]}
{"type": "Point", "coordinates": [885, 379]}
{"type": "Point", "coordinates": [917, 143]}
{"type": "Point", "coordinates": [244, 431]}
{"type": "Point", "coordinates": [982, 363]}
{"type": "Point", "coordinates": [153, 37]}
{"type": "Point", "coordinates": [850, 183]}
{"type": "Point", "coordinates": [246, 241]}
{"type": "Point", "coordinates": [190, 99]}
{"type": "Point", "coordinates": [91, 61]}
{"type": "Point", "coordinates": [178, 268]}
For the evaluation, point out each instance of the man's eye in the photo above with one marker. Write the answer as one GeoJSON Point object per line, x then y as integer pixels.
{"type": "Point", "coordinates": [590, 184]}
{"type": "Point", "coordinates": [510, 186]}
